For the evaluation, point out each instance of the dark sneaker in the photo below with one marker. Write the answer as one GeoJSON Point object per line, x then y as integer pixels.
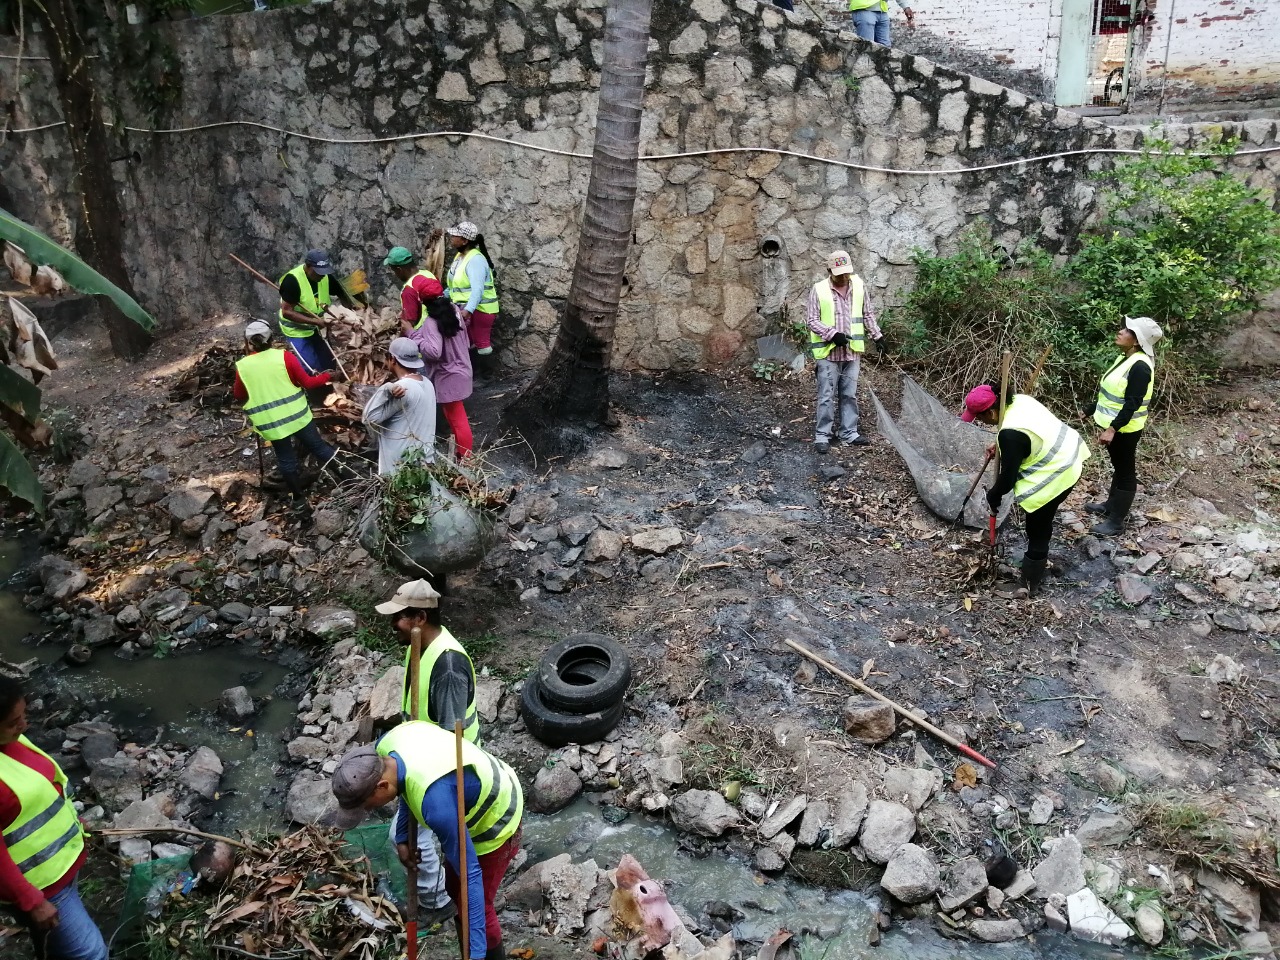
{"type": "Point", "coordinates": [859, 441]}
{"type": "Point", "coordinates": [430, 918]}
{"type": "Point", "coordinates": [822, 447]}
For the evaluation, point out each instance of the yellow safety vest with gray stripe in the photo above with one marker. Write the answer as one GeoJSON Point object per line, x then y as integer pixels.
{"type": "Point", "coordinates": [310, 301]}
{"type": "Point", "coordinates": [428, 754]}
{"type": "Point", "coordinates": [277, 406]}
{"type": "Point", "coordinates": [460, 286]}
{"type": "Point", "coordinates": [46, 838]}
{"type": "Point", "coordinates": [1111, 393]}
{"type": "Point", "coordinates": [1057, 453]}
{"type": "Point", "coordinates": [446, 642]}
{"type": "Point", "coordinates": [821, 349]}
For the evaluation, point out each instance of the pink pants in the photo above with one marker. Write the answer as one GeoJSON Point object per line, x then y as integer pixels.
{"type": "Point", "coordinates": [480, 328]}
{"type": "Point", "coordinates": [456, 416]}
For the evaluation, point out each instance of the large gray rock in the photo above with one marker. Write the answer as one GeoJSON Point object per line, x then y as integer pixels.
{"type": "Point", "coordinates": [911, 875]}
{"type": "Point", "coordinates": [911, 787]}
{"type": "Point", "coordinates": [97, 747]}
{"type": "Point", "coordinates": [996, 931]}
{"type": "Point", "coordinates": [1091, 919]}
{"type": "Point", "coordinates": [1150, 923]}
{"type": "Point", "coordinates": [489, 693]}
{"type": "Point", "coordinates": [388, 696]}
{"type": "Point", "coordinates": [703, 812]}
{"type": "Point", "coordinates": [816, 819]}
{"type": "Point", "coordinates": [310, 799]}
{"type": "Point", "coordinates": [658, 540]}
{"type": "Point", "coordinates": [203, 773]}
{"type": "Point", "coordinates": [59, 577]}
{"type": "Point", "coordinates": [846, 821]}
{"type": "Point", "coordinates": [83, 472]}
{"type": "Point", "coordinates": [330, 623]}
{"type": "Point", "coordinates": [602, 545]}
{"type": "Point", "coordinates": [165, 606]}
{"type": "Point", "coordinates": [965, 882]}
{"type": "Point", "coordinates": [189, 501]}
{"type": "Point", "coordinates": [152, 813]}
{"type": "Point", "coordinates": [868, 720]}
{"type": "Point", "coordinates": [456, 537]}
{"type": "Point", "coordinates": [554, 787]}
{"type": "Point", "coordinates": [781, 818]}
{"type": "Point", "coordinates": [117, 781]}
{"type": "Point", "coordinates": [1062, 871]}
{"type": "Point", "coordinates": [1104, 830]}
{"type": "Point", "coordinates": [100, 498]}
{"type": "Point", "coordinates": [100, 631]}
{"type": "Point", "coordinates": [578, 527]}
{"type": "Point", "coordinates": [308, 748]}
{"type": "Point", "coordinates": [236, 704]}
{"type": "Point", "coordinates": [234, 612]}
{"type": "Point", "coordinates": [1233, 902]}
{"type": "Point", "coordinates": [887, 827]}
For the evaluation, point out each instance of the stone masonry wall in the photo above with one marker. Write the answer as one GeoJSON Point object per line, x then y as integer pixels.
{"type": "Point", "coordinates": [722, 75]}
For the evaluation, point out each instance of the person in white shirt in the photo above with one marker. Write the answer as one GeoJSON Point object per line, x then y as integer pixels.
{"type": "Point", "coordinates": [402, 412]}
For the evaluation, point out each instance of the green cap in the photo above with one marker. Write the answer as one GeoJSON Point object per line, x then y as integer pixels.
{"type": "Point", "coordinates": [398, 257]}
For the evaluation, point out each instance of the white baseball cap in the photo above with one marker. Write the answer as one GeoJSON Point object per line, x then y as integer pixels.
{"type": "Point", "coordinates": [416, 594]}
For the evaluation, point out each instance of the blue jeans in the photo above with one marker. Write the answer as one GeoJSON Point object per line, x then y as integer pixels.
{"type": "Point", "coordinates": [871, 24]}
{"type": "Point", "coordinates": [76, 937]}
{"type": "Point", "coordinates": [314, 353]}
{"type": "Point", "coordinates": [837, 382]}
{"type": "Point", "coordinates": [287, 453]}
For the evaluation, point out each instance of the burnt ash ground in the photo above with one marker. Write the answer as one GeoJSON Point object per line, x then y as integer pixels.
{"type": "Point", "coordinates": [853, 566]}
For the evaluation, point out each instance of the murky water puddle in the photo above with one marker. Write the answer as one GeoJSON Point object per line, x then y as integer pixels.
{"type": "Point", "coordinates": [842, 920]}
{"type": "Point", "coordinates": [173, 699]}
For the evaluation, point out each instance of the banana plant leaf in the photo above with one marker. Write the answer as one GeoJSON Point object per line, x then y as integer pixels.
{"type": "Point", "coordinates": [17, 476]}
{"type": "Point", "coordinates": [44, 251]}
{"type": "Point", "coordinates": [19, 392]}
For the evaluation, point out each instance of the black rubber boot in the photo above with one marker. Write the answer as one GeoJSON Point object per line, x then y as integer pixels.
{"type": "Point", "coordinates": [1033, 574]}
{"type": "Point", "coordinates": [1102, 506]}
{"type": "Point", "coordinates": [495, 952]}
{"type": "Point", "coordinates": [1117, 510]}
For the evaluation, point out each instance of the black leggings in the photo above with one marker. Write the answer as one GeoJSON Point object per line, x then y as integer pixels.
{"type": "Point", "coordinates": [1123, 451]}
{"type": "Point", "coordinates": [1040, 526]}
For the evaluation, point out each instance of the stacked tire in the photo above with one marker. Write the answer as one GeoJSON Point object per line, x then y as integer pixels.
{"type": "Point", "coordinates": [576, 693]}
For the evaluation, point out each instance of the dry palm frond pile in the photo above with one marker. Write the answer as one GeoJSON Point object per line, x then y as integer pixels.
{"type": "Point", "coordinates": [208, 382]}
{"type": "Point", "coordinates": [296, 896]}
{"type": "Point", "coordinates": [359, 339]}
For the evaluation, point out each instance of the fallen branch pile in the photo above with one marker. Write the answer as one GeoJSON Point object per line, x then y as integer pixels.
{"type": "Point", "coordinates": [295, 896]}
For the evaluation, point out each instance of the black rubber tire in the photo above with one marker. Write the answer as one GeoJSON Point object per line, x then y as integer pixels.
{"type": "Point", "coordinates": [562, 685]}
{"type": "Point", "coordinates": [557, 729]}
{"type": "Point", "coordinates": [588, 671]}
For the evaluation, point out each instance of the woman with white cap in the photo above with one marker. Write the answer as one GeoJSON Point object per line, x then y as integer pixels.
{"type": "Point", "coordinates": [1124, 397]}
{"type": "Point", "coordinates": [471, 287]}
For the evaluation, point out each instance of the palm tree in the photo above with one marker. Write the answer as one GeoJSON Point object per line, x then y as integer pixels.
{"type": "Point", "coordinates": [573, 383]}
{"type": "Point", "coordinates": [100, 235]}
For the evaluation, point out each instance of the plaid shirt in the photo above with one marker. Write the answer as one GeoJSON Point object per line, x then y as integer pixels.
{"type": "Point", "coordinates": [844, 323]}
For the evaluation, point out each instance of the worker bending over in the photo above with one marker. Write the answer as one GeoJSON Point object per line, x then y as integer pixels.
{"type": "Point", "coordinates": [1040, 461]}
{"type": "Point", "coordinates": [416, 762]}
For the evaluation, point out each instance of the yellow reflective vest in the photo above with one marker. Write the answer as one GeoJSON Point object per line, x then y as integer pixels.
{"type": "Point", "coordinates": [1057, 453]}
{"type": "Point", "coordinates": [277, 406]}
{"type": "Point", "coordinates": [422, 306]}
{"type": "Point", "coordinates": [428, 755]}
{"type": "Point", "coordinates": [1111, 393]}
{"type": "Point", "coordinates": [883, 5]}
{"type": "Point", "coordinates": [460, 286]}
{"type": "Point", "coordinates": [445, 642]}
{"type": "Point", "coordinates": [310, 301]}
{"type": "Point", "coordinates": [820, 348]}
{"type": "Point", "coordinates": [46, 838]}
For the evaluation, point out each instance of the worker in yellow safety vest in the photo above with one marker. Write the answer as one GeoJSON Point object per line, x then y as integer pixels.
{"type": "Point", "coordinates": [446, 693]}
{"type": "Point", "coordinates": [472, 288]}
{"type": "Point", "coordinates": [416, 762]}
{"type": "Point", "coordinates": [272, 385]}
{"type": "Point", "coordinates": [305, 291]}
{"type": "Point", "coordinates": [1124, 396]}
{"type": "Point", "coordinates": [41, 842]}
{"type": "Point", "coordinates": [871, 19]}
{"type": "Point", "coordinates": [1040, 461]}
{"type": "Point", "coordinates": [839, 318]}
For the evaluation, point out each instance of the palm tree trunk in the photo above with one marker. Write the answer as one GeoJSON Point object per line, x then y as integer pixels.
{"type": "Point", "coordinates": [100, 237]}
{"type": "Point", "coordinates": [573, 383]}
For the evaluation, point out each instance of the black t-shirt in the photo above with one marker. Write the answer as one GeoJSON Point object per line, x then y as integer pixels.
{"type": "Point", "coordinates": [290, 292]}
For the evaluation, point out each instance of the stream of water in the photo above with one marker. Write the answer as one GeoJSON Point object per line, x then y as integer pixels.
{"type": "Point", "coordinates": [843, 919]}
{"type": "Point", "coordinates": [170, 698]}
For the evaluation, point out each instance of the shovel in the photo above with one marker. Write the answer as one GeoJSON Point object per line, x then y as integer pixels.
{"type": "Point", "coordinates": [411, 922]}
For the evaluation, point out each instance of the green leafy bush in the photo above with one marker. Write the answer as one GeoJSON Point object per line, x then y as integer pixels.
{"type": "Point", "coordinates": [1178, 240]}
